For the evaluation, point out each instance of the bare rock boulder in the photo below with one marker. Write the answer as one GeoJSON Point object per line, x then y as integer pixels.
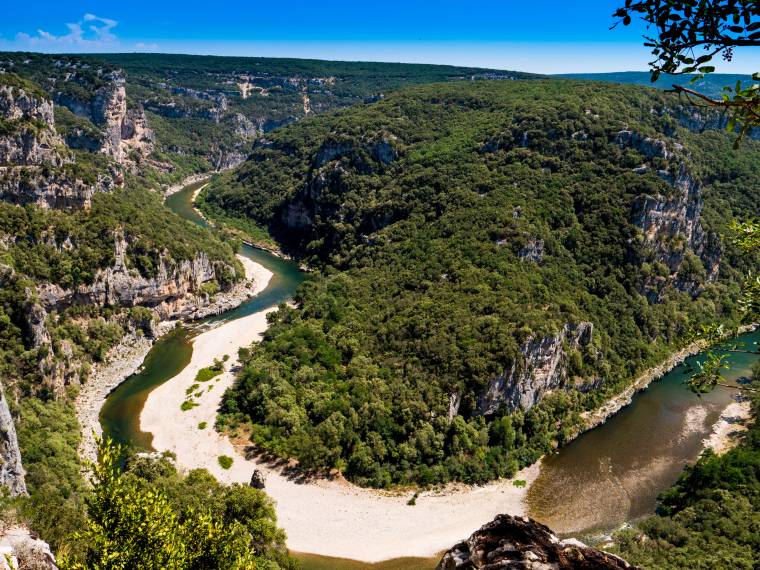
{"type": "Point", "coordinates": [519, 543]}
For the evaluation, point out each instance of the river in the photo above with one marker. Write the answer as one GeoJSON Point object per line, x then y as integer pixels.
{"type": "Point", "coordinates": [612, 474]}
{"type": "Point", "coordinates": [120, 416]}
{"type": "Point", "coordinates": [606, 477]}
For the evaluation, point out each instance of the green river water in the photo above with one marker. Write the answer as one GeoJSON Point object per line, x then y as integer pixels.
{"type": "Point", "coordinates": [120, 416]}
{"type": "Point", "coordinates": [606, 477]}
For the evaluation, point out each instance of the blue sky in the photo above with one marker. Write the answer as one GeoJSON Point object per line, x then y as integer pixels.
{"type": "Point", "coordinates": [546, 36]}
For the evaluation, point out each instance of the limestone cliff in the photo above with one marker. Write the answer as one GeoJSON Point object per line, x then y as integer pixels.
{"type": "Point", "coordinates": [22, 549]}
{"type": "Point", "coordinates": [672, 229]}
{"type": "Point", "coordinates": [699, 119]}
{"type": "Point", "coordinates": [519, 543]}
{"type": "Point", "coordinates": [541, 367]}
{"type": "Point", "coordinates": [35, 166]}
{"type": "Point", "coordinates": [53, 189]}
{"type": "Point", "coordinates": [125, 131]}
{"type": "Point", "coordinates": [170, 291]}
{"type": "Point", "coordinates": [671, 222]}
{"type": "Point", "coordinates": [27, 134]}
{"type": "Point", "coordinates": [57, 368]}
{"type": "Point", "coordinates": [11, 470]}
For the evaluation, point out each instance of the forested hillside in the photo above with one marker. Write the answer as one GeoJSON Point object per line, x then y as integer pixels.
{"type": "Point", "coordinates": [496, 258]}
{"type": "Point", "coordinates": [711, 85]}
{"type": "Point", "coordinates": [89, 256]}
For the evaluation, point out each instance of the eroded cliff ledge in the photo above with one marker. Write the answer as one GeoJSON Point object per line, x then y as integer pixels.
{"type": "Point", "coordinates": [541, 367]}
{"type": "Point", "coordinates": [35, 164]}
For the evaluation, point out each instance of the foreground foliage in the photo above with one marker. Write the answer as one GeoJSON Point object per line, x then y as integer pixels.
{"type": "Point", "coordinates": [152, 518]}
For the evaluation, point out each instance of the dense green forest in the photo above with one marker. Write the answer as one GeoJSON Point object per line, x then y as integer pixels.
{"type": "Point", "coordinates": [453, 223]}
{"type": "Point", "coordinates": [200, 118]}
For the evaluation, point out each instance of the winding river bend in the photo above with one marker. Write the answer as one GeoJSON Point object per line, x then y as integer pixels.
{"type": "Point", "coordinates": [606, 477]}
{"type": "Point", "coordinates": [120, 416]}
{"type": "Point", "coordinates": [612, 474]}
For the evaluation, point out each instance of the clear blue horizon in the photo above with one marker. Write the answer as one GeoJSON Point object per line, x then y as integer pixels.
{"type": "Point", "coordinates": [542, 36]}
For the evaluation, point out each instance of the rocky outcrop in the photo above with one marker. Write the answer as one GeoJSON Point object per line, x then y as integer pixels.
{"type": "Point", "coordinates": [540, 368]}
{"type": "Point", "coordinates": [136, 136]}
{"type": "Point", "coordinates": [33, 166]}
{"type": "Point", "coordinates": [333, 165]}
{"type": "Point", "coordinates": [517, 543]}
{"type": "Point", "coordinates": [22, 549]}
{"type": "Point", "coordinates": [11, 470]}
{"type": "Point", "coordinates": [173, 285]}
{"type": "Point", "coordinates": [244, 127]}
{"type": "Point", "coordinates": [380, 150]}
{"type": "Point", "coordinates": [699, 120]}
{"type": "Point", "coordinates": [258, 479]}
{"type": "Point", "coordinates": [172, 108]}
{"type": "Point", "coordinates": [671, 226]}
{"type": "Point", "coordinates": [52, 189]}
{"type": "Point", "coordinates": [648, 146]}
{"type": "Point", "coordinates": [226, 160]}
{"type": "Point", "coordinates": [28, 136]}
{"type": "Point", "coordinates": [124, 130]}
{"type": "Point", "coordinates": [532, 251]}
{"type": "Point", "coordinates": [671, 221]}
{"type": "Point", "coordinates": [57, 366]}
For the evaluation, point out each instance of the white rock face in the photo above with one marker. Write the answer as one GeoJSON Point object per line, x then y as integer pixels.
{"type": "Point", "coordinates": [11, 470]}
{"type": "Point", "coordinates": [123, 286]}
{"type": "Point", "coordinates": [541, 368]}
{"type": "Point", "coordinates": [125, 130]}
{"type": "Point", "coordinates": [35, 141]}
{"type": "Point", "coordinates": [21, 550]}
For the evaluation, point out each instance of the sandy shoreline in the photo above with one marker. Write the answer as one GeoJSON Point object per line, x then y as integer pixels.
{"type": "Point", "coordinates": [185, 182]}
{"type": "Point", "coordinates": [126, 358]}
{"type": "Point", "coordinates": [731, 424]}
{"type": "Point", "coordinates": [332, 518]}
{"type": "Point", "coordinates": [335, 518]}
{"type": "Point", "coordinates": [615, 404]}
{"type": "Point", "coordinates": [123, 360]}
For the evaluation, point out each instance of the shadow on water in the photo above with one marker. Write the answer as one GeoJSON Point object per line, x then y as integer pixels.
{"type": "Point", "coordinates": [120, 415]}
{"type": "Point", "coordinates": [613, 474]}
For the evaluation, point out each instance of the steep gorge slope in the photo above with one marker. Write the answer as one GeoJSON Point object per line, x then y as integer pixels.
{"type": "Point", "coordinates": [496, 258]}
{"type": "Point", "coordinates": [88, 256]}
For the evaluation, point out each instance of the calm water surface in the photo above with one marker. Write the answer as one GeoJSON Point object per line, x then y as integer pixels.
{"type": "Point", "coordinates": [613, 474]}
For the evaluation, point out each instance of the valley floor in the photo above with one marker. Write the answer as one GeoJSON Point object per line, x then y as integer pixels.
{"type": "Point", "coordinates": [326, 517]}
